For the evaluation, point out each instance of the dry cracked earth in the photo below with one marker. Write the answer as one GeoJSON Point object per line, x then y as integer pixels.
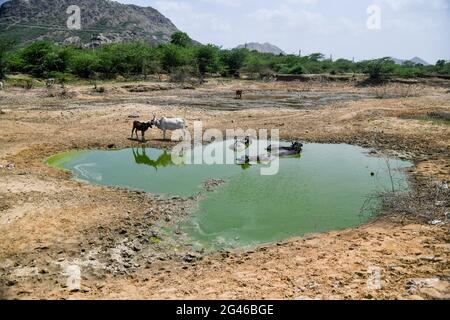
{"type": "Point", "coordinates": [54, 228]}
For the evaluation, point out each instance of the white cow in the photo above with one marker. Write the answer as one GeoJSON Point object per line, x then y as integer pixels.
{"type": "Point", "coordinates": [170, 124]}
{"type": "Point", "coordinates": [50, 82]}
{"type": "Point", "coordinates": [1, 85]}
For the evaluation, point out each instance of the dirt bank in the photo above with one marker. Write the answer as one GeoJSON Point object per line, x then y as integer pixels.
{"type": "Point", "coordinates": [49, 222]}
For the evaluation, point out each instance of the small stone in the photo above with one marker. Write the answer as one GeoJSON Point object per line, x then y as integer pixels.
{"type": "Point", "coordinates": [192, 257]}
{"type": "Point", "coordinates": [11, 283]}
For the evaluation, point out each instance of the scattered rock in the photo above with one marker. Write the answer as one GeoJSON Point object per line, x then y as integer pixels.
{"type": "Point", "coordinates": [306, 298]}
{"type": "Point", "coordinates": [432, 288]}
{"type": "Point", "coordinates": [434, 294]}
{"type": "Point", "coordinates": [212, 184]}
{"type": "Point", "coordinates": [134, 115]}
{"type": "Point", "coordinates": [11, 283]}
{"type": "Point", "coordinates": [192, 257]}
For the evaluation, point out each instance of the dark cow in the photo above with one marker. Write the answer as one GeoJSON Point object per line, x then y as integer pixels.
{"type": "Point", "coordinates": [239, 94]}
{"type": "Point", "coordinates": [142, 127]}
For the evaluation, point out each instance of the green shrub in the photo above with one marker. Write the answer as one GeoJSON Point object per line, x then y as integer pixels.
{"type": "Point", "coordinates": [84, 64]}
{"type": "Point", "coordinates": [181, 39]}
{"type": "Point", "coordinates": [5, 46]}
{"type": "Point", "coordinates": [297, 69]}
{"type": "Point", "coordinates": [379, 69]}
{"type": "Point", "coordinates": [233, 60]}
{"type": "Point", "coordinates": [42, 57]}
{"type": "Point", "coordinates": [207, 59]}
{"type": "Point", "coordinates": [183, 58]}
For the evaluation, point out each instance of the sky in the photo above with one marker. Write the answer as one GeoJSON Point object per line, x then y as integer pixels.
{"type": "Point", "coordinates": [408, 28]}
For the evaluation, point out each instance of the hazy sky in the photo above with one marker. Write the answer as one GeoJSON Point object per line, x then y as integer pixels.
{"type": "Point", "coordinates": [408, 27]}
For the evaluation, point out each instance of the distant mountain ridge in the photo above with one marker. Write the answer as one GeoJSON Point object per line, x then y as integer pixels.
{"type": "Point", "coordinates": [262, 47]}
{"type": "Point", "coordinates": [415, 60]}
{"type": "Point", "coordinates": [102, 21]}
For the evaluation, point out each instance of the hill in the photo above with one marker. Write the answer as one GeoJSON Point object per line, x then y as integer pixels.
{"type": "Point", "coordinates": [262, 47]}
{"type": "Point", "coordinates": [416, 60]}
{"type": "Point", "coordinates": [102, 21]}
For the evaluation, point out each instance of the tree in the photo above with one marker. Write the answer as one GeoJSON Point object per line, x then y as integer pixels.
{"type": "Point", "coordinates": [207, 58]}
{"type": "Point", "coordinates": [343, 65]}
{"type": "Point", "coordinates": [43, 57]}
{"type": "Point", "coordinates": [442, 67]}
{"type": "Point", "coordinates": [5, 46]}
{"type": "Point", "coordinates": [440, 64]}
{"type": "Point", "coordinates": [181, 39]}
{"type": "Point", "coordinates": [379, 69]}
{"type": "Point", "coordinates": [316, 57]}
{"type": "Point", "coordinates": [297, 69]}
{"type": "Point", "coordinates": [173, 56]}
{"type": "Point", "coordinates": [84, 64]}
{"type": "Point", "coordinates": [233, 60]}
{"type": "Point", "coordinates": [409, 64]}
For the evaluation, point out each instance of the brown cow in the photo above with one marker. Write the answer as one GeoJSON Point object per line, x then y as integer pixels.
{"type": "Point", "coordinates": [142, 127]}
{"type": "Point", "coordinates": [239, 94]}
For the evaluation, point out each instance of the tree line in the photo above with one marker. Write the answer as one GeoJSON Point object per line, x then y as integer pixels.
{"type": "Point", "coordinates": [182, 56]}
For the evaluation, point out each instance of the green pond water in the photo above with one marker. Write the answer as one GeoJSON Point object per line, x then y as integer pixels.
{"type": "Point", "coordinates": [323, 189]}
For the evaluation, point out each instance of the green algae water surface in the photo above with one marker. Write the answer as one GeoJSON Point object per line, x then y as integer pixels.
{"type": "Point", "coordinates": [323, 189]}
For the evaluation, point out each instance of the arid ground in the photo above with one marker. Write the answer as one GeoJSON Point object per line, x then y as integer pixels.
{"type": "Point", "coordinates": [48, 221]}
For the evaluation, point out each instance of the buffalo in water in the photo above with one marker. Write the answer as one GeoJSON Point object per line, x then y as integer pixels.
{"type": "Point", "coordinates": [294, 149]}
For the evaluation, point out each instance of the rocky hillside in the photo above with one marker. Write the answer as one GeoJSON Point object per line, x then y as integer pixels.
{"type": "Point", "coordinates": [102, 21]}
{"type": "Point", "coordinates": [415, 60]}
{"type": "Point", "coordinates": [262, 47]}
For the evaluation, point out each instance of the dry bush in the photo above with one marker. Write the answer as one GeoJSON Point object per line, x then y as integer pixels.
{"type": "Point", "coordinates": [397, 90]}
{"type": "Point", "coordinates": [428, 200]}
{"type": "Point", "coordinates": [184, 74]}
{"type": "Point", "coordinates": [28, 84]}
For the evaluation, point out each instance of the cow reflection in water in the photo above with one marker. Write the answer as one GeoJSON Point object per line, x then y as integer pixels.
{"type": "Point", "coordinates": [164, 160]}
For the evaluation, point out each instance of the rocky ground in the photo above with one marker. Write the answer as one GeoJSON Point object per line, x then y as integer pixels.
{"type": "Point", "coordinates": [54, 229]}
